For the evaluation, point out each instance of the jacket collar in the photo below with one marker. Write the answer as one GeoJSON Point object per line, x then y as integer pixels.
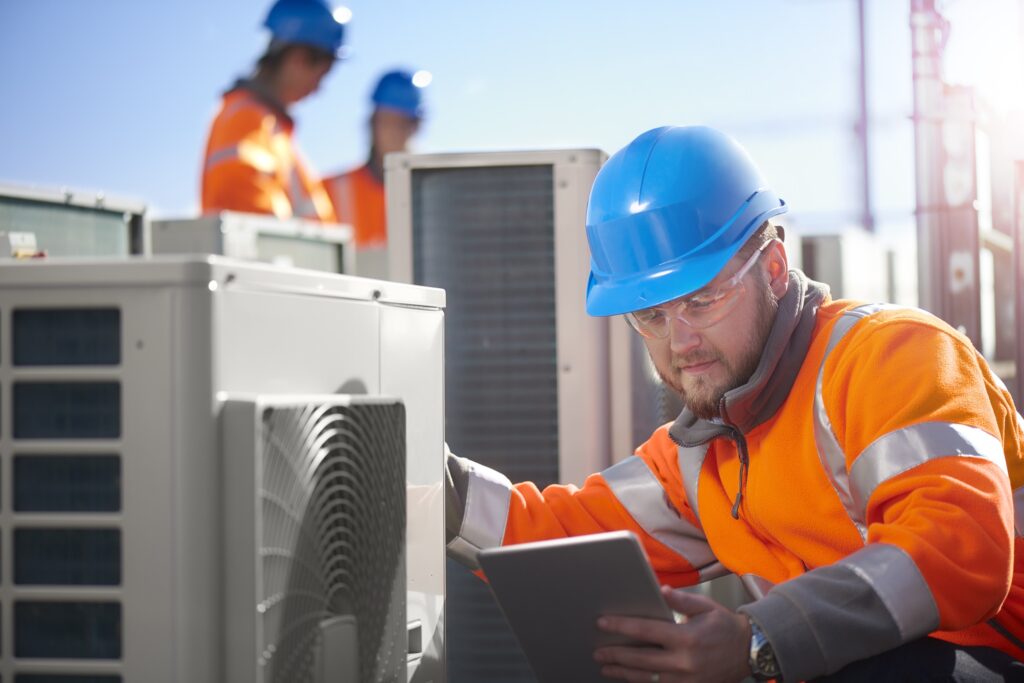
{"type": "Point", "coordinates": [259, 92]}
{"type": "Point", "coordinates": [753, 403]}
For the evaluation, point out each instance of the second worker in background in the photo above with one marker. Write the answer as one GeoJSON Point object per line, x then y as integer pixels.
{"type": "Point", "coordinates": [358, 194]}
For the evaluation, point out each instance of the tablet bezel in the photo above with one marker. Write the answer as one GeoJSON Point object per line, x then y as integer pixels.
{"type": "Point", "coordinates": [552, 593]}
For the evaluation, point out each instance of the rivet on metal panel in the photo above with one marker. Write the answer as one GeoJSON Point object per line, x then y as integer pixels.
{"type": "Point", "coordinates": [566, 368]}
{"type": "Point", "coordinates": [377, 294]}
{"type": "Point", "coordinates": [138, 344]}
{"type": "Point", "coordinates": [572, 158]}
{"type": "Point", "coordinates": [562, 184]}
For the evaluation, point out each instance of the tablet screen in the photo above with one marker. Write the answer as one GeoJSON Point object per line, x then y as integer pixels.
{"type": "Point", "coordinates": [552, 593]}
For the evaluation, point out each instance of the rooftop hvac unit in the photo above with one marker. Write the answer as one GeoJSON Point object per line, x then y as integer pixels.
{"type": "Point", "coordinates": [73, 223]}
{"type": "Point", "coordinates": [254, 237]}
{"type": "Point", "coordinates": [193, 498]}
{"type": "Point", "coordinates": [536, 388]}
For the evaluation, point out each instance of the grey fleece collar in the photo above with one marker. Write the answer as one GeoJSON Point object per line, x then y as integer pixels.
{"type": "Point", "coordinates": [753, 403]}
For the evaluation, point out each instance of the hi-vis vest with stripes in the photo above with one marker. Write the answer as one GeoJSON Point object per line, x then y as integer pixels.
{"type": "Point", "coordinates": [831, 550]}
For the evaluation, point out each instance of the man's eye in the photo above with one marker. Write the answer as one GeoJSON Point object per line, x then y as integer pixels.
{"type": "Point", "coordinates": [651, 315]}
{"type": "Point", "coordinates": [702, 303]}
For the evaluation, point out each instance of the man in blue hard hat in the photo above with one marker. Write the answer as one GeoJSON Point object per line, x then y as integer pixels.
{"type": "Point", "coordinates": [358, 194]}
{"type": "Point", "coordinates": [858, 466]}
{"type": "Point", "coordinates": [252, 163]}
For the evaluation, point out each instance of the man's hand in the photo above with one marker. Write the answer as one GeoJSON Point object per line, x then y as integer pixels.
{"type": "Point", "coordinates": [712, 644]}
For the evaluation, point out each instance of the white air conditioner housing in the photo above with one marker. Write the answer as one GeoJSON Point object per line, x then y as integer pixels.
{"type": "Point", "coordinates": [142, 406]}
{"type": "Point", "coordinates": [292, 242]}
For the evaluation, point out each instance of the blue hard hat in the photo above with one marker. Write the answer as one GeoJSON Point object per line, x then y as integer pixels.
{"type": "Point", "coordinates": [307, 22]}
{"type": "Point", "coordinates": [397, 90]}
{"type": "Point", "coordinates": [667, 212]}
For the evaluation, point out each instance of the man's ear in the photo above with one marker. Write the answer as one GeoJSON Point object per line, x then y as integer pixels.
{"type": "Point", "coordinates": [778, 269]}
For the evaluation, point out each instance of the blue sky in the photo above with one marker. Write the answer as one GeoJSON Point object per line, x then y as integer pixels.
{"type": "Point", "coordinates": [116, 95]}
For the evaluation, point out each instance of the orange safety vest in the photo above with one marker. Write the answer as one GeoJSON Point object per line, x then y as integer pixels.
{"type": "Point", "coordinates": [253, 165]}
{"type": "Point", "coordinates": [882, 490]}
{"type": "Point", "coordinates": [358, 198]}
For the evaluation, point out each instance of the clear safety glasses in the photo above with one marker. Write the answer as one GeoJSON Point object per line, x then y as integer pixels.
{"type": "Point", "coordinates": [699, 310]}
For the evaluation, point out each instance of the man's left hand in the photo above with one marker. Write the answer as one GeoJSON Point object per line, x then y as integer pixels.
{"type": "Point", "coordinates": [712, 644]}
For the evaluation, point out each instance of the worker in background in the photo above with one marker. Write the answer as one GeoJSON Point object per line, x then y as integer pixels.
{"type": "Point", "coordinates": [856, 465]}
{"type": "Point", "coordinates": [252, 163]}
{"type": "Point", "coordinates": [358, 194]}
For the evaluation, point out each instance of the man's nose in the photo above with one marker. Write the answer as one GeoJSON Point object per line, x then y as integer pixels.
{"type": "Point", "coordinates": [682, 337]}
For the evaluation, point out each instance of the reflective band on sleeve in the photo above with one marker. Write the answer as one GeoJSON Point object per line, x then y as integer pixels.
{"type": "Point", "coordinates": [904, 449]}
{"type": "Point", "coordinates": [221, 155]}
{"type": "Point", "coordinates": [488, 495]}
{"type": "Point", "coordinates": [643, 496]}
{"type": "Point", "coordinates": [829, 451]}
{"type": "Point", "coordinates": [248, 153]}
{"type": "Point", "coordinates": [897, 581]}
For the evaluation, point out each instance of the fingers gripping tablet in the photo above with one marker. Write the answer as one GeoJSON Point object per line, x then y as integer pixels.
{"type": "Point", "coordinates": [552, 593]}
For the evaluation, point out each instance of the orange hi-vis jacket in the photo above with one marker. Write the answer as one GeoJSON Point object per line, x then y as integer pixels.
{"type": "Point", "coordinates": [253, 165]}
{"type": "Point", "coordinates": [358, 198]}
{"type": "Point", "coordinates": [867, 482]}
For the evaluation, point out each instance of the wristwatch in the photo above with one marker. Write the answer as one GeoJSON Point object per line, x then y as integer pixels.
{"type": "Point", "coordinates": [763, 665]}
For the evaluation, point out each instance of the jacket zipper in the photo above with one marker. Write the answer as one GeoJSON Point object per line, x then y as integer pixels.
{"type": "Point", "coordinates": [741, 447]}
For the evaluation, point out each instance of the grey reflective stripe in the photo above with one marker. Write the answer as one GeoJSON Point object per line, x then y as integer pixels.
{"type": "Point", "coordinates": [869, 602]}
{"type": "Point", "coordinates": [302, 204]}
{"type": "Point", "coordinates": [903, 449]}
{"type": "Point", "coordinates": [829, 451]}
{"type": "Point", "coordinates": [757, 586]}
{"type": "Point", "coordinates": [488, 495]}
{"type": "Point", "coordinates": [643, 496]}
{"type": "Point", "coordinates": [897, 581]}
{"type": "Point", "coordinates": [691, 460]}
{"type": "Point", "coordinates": [1018, 510]}
{"type": "Point", "coordinates": [221, 155]}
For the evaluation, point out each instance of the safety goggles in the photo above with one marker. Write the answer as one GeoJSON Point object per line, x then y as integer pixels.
{"type": "Point", "coordinates": [700, 310]}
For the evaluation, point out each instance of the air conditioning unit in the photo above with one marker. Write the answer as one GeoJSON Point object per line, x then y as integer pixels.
{"type": "Point", "coordinates": [291, 242]}
{"type": "Point", "coordinates": [72, 222]}
{"type": "Point", "coordinates": [210, 464]}
{"type": "Point", "coordinates": [535, 387]}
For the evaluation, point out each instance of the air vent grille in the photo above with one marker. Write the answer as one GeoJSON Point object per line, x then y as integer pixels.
{"type": "Point", "coordinates": [333, 542]}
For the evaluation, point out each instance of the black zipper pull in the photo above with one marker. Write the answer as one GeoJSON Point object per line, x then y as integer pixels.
{"type": "Point", "coordinates": [741, 447]}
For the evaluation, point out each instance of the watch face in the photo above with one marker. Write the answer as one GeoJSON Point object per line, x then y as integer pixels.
{"type": "Point", "coordinates": [766, 664]}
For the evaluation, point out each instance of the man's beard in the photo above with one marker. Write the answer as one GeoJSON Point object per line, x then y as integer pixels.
{"type": "Point", "coordinates": [701, 396]}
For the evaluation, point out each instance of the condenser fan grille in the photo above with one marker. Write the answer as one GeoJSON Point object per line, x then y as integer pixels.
{"type": "Point", "coordinates": [332, 542]}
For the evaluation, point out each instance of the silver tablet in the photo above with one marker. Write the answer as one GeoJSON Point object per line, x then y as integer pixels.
{"type": "Point", "coordinates": [552, 593]}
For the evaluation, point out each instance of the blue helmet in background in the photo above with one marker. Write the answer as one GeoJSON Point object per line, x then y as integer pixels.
{"type": "Point", "coordinates": [308, 22]}
{"type": "Point", "coordinates": [399, 91]}
{"type": "Point", "coordinates": [666, 213]}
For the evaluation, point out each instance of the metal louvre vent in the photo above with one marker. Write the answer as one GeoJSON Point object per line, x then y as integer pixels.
{"type": "Point", "coordinates": [332, 545]}
{"type": "Point", "coordinates": [486, 235]}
